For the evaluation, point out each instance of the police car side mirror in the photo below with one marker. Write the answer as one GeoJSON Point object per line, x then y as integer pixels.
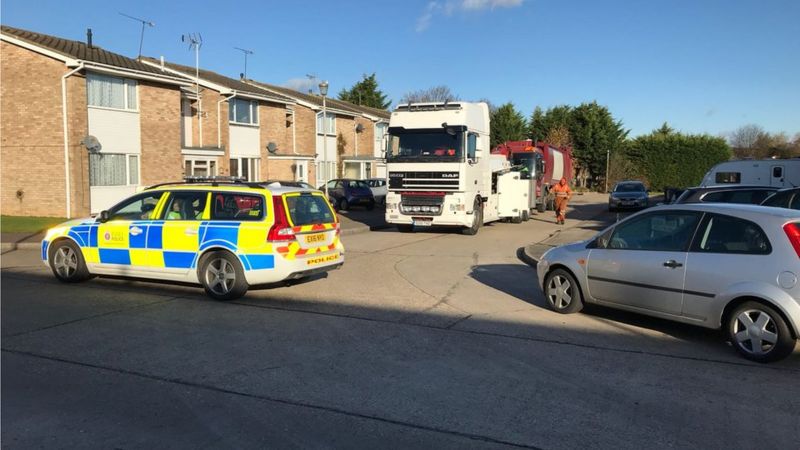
{"type": "Point", "coordinates": [103, 216]}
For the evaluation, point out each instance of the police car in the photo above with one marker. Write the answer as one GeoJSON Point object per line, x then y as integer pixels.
{"type": "Point", "coordinates": [222, 233]}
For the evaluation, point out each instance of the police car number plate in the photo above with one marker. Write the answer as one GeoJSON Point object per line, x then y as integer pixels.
{"type": "Point", "coordinates": [315, 238]}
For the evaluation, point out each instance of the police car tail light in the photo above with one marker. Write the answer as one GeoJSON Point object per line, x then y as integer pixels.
{"type": "Point", "coordinates": [281, 230]}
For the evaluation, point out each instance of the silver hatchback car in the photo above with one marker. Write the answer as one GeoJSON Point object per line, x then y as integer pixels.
{"type": "Point", "coordinates": [712, 265]}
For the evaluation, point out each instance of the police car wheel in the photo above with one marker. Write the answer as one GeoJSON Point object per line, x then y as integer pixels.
{"type": "Point", "coordinates": [67, 262]}
{"type": "Point", "coordinates": [222, 276]}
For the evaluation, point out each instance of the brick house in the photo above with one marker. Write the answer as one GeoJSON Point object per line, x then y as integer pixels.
{"type": "Point", "coordinates": [242, 125]}
{"type": "Point", "coordinates": [362, 128]}
{"type": "Point", "coordinates": [81, 127]}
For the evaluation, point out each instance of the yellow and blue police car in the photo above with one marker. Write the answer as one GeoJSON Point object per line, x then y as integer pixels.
{"type": "Point", "coordinates": [222, 233]}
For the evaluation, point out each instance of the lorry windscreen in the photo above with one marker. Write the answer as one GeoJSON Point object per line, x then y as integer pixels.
{"type": "Point", "coordinates": [425, 146]}
{"type": "Point", "coordinates": [525, 163]}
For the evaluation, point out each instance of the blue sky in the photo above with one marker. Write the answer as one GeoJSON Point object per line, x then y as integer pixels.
{"type": "Point", "coordinates": [701, 65]}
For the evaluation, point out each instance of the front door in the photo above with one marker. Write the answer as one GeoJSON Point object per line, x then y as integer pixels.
{"type": "Point", "coordinates": [122, 239]}
{"type": "Point", "coordinates": [644, 262]}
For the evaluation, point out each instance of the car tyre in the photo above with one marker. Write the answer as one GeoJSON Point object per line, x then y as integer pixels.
{"type": "Point", "coordinates": [67, 263]}
{"type": "Point", "coordinates": [344, 205]}
{"type": "Point", "coordinates": [759, 332]}
{"type": "Point", "coordinates": [477, 219]}
{"type": "Point", "coordinates": [562, 292]}
{"type": "Point", "coordinates": [222, 276]}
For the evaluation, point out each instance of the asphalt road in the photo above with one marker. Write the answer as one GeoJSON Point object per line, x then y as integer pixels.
{"type": "Point", "coordinates": [431, 339]}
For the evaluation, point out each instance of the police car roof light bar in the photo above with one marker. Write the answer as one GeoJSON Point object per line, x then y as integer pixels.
{"type": "Point", "coordinates": [212, 180]}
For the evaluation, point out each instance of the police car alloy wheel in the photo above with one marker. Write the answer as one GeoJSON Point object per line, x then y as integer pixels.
{"type": "Point", "coordinates": [222, 276]}
{"type": "Point", "coordinates": [67, 262]}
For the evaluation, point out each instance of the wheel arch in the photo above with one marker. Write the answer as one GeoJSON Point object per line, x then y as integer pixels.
{"type": "Point", "coordinates": [219, 247]}
{"type": "Point", "coordinates": [52, 244]}
{"type": "Point", "coordinates": [736, 302]}
{"type": "Point", "coordinates": [569, 271]}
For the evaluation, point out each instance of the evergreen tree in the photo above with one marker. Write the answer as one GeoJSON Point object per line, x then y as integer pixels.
{"type": "Point", "coordinates": [508, 124]}
{"type": "Point", "coordinates": [366, 93]}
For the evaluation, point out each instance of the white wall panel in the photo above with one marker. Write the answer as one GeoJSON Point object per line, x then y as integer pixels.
{"type": "Point", "coordinates": [117, 131]}
{"type": "Point", "coordinates": [244, 141]}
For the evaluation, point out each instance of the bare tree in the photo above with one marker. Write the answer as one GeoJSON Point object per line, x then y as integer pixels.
{"type": "Point", "coordinates": [440, 93]}
{"type": "Point", "coordinates": [745, 140]}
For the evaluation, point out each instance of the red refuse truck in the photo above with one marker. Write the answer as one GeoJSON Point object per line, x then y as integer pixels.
{"type": "Point", "coordinates": [542, 163]}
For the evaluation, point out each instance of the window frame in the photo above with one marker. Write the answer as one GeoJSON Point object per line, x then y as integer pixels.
{"type": "Point", "coordinates": [165, 210]}
{"type": "Point", "coordinates": [332, 120]}
{"type": "Point", "coordinates": [252, 114]}
{"type": "Point", "coordinates": [703, 226]}
{"type": "Point", "coordinates": [253, 175]}
{"type": "Point", "coordinates": [212, 209]}
{"type": "Point", "coordinates": [686, 246]}
{"type": "Point", "coordinates": [126, 83]}
{"type": "Point", "coordinates": [119, 205]}
{"type": "Point", "coordinates": [128, 166]}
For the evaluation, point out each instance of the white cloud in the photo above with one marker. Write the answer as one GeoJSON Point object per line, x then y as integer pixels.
{"type": "Point", "coordinates": [300, 84]}
{"type": "Point", "coordinates": [449, 7]}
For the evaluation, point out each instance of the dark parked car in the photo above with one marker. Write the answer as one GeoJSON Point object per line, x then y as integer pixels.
{"type": "Point", "coordinates": [785, 198]}
{"type": "Point", "coordinates": [726, 194]}
{"type": "Point", "coordinates": [627, 194]}
{"type": "Point", "coordinates": [345, 193]}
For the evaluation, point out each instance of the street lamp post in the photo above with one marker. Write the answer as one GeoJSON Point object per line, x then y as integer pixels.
{"type": "Point", "coordinates": [323, 91]}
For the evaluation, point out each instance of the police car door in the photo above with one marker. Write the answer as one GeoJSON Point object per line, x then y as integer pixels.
{"type": "Point", "coordinates": [180, 241]}
{"type": "Point", "coordinates": [122, 239]}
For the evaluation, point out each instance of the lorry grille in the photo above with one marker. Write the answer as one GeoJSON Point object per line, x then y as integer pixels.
{"type": "Point", "coordinates": [426, 205]}
{"type": "Point", "coordinates": [447, 181]}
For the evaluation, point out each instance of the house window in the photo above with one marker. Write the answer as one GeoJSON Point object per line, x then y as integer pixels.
{"type": "Point", "coordinates": [194, 167]}
{"type": "Point", "coordinates": [246, 168]}
{"type": "Point", "coordinates": [113, 169]}
{"type": "Point", "coordinates": [243, 111]}
{"type": "Point", "coordinates": [380, 132]}
{"type": "Point", "coordinates": [111, 92]}
{"type": "Point", "coordinates": [330, 124]}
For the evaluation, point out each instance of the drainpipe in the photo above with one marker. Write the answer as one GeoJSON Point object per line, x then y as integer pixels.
{"type": "Point", "coordinates": [66, 135]}
{"type": "Point", "coordinates": [219, 120]}
{"type": "Point", "coordinates": [294, 134]}
{"type": "Point", "coordinates": [355, 134]}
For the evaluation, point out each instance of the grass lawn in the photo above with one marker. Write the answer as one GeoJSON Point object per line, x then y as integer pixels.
{"type": "Point", "coordinates": [17, 224]}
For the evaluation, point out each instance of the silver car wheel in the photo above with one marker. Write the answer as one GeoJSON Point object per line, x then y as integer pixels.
{"type": "Point", "coordinates": [559, 292]}
{"type": "Point", "coordinates": [65, 262]}
{"type": "Point", "coordinates": [755, 332]}
{"type": "Point", "coordinates": [220, 276]}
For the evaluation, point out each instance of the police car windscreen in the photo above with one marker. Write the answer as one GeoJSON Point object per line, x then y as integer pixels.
{"type": "Point", "coordinates": [309, 210]}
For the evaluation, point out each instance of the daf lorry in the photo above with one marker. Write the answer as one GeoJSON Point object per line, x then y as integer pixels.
{"type": "Point", "coordinates": [441, 171]}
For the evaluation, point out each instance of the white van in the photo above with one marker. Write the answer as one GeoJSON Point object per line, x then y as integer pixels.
{"type": "Point", "coordinates": [780, 173]}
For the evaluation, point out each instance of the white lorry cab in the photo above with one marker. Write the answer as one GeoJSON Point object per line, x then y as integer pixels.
{"type": "Point", "coordinates": [441, 171]}
{"type": "Point", "coordinates": [780, 173]}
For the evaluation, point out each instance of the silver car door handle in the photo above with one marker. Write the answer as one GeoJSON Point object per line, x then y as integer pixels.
{"type": "Point", "coordinates": [190, 231]}
{"type": "Point", "coordinates": [135, 231]}
{"type": "Point", "coordinates": [672, 264]}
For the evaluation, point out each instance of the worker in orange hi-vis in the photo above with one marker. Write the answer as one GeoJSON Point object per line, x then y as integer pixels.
{"type": "Point", "coordinates": [562, 193]}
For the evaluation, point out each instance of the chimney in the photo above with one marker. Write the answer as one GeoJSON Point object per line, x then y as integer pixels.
{"type": "Point", "coordinates": [89, 37]}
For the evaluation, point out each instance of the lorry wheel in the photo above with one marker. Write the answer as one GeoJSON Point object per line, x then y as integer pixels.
{"type": "Point", "coordinates": [526, 215]}
{"type": "Point", "coordinates": [541, 207]}
{"type": "Point", "coordinates": [477, 219]}
{"type": "Point", "coordinates": [551, 204]}
{"type": "Point", "coordinates": [517, 219]}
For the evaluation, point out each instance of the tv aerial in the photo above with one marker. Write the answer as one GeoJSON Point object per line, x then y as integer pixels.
{"type": "Point", "coordinates": [144, 23]}
{"type": "Point", "coordinates": [246, 52]}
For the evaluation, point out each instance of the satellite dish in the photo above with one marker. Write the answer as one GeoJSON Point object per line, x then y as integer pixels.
{"type": "Point", "coordinates": [272, 147]}
{"type": "Point", "coordinates": [92, 144]}
{"type": "Point", "coordinates": [359, 128]}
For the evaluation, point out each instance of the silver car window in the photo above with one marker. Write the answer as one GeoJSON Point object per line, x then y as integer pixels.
{"type": "Point", "coordinates": [726, 234]}
{"type": "Point", "coordinates": [664, 231]}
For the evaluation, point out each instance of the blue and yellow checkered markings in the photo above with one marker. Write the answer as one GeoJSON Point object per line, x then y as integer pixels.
{"type": "Point", "coordinates": [166, 244]}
